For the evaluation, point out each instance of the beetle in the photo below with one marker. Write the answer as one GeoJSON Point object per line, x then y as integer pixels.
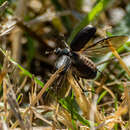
{"type": "Point", "coordinates": [72, 57]}
{"type": "Point", "coordinates": [77, 57]}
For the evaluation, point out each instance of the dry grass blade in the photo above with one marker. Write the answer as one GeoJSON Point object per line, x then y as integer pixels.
{"type": "Point", "coordinates": [2, 75]}
{"type": "Point", "coordinates": [49, 82]}
{"type": "Point", "coordinates": [119, 58]}
{"type": "Point", "coordinates": [15, 108]}
{"type": "Point", "coordinates": [107, 89]}
{"type": "Point", "coordinates": [4, 6]}
{"type": "Point", "coordinates": [48, 16]}
{"type": "Point", "coordinates": [93, 110]}
{"type": "Point", "coordinates": [22, 85]}
{"type": "Point", "coordinates": [65, 117]}
{"type": "Point", "coordinates": [38, 115]}
{"type": "Point", "coordinates": [127, 95]}
{"type": "Point", "coordinates": [80, 97]}
{"type": "Point", "coordinates": [36, 128]}
{"type": "Point", "coordinates": [7, 27]}
{"type": "Point", "coordinates": [5, 97]}
{"type": "Point", "coordinates": [15, 38]}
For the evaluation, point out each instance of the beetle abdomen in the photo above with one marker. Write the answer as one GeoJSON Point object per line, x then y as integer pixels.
{"type": "Point", "coordinates": [83, 66]}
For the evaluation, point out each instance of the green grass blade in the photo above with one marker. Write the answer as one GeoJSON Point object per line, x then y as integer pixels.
{"type": "Point", "coordinates": [27, 73]}
{"type": "Point", "coordinates": [89, 17]}
{"type": "Point", "coordinates": [101, 96]}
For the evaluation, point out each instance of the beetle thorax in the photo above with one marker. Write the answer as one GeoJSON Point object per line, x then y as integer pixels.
{"type": "Point", "coordinates": [64, 51]}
